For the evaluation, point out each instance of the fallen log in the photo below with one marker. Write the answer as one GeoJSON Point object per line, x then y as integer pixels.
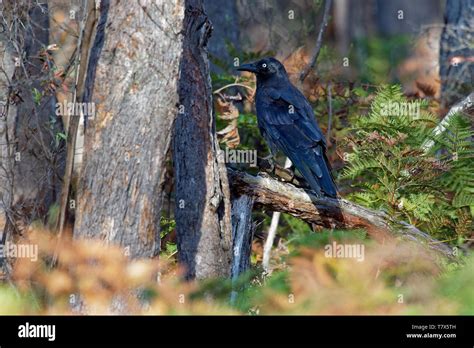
{"type": "Point", "coordinates": [327, 212]}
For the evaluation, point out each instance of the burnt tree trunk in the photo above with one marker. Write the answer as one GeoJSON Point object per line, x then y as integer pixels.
{"type": "Point", "coordinates": [456, 67]}
{"type": "Point", "coordinates": [38, 153]}
{"type": "Point", "coordinates": [202, 195]}
{"type": "Point", "coordinates": [7, 118]}
{"type": "Point", "coordinates": [133, 82]}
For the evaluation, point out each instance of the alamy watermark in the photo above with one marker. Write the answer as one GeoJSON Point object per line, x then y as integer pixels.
{"type": "Point", "coordinates": [26, 251]}
{"type": "Point", "coordinates": [345, 251]}
{"type": "Point", "coordinates": [400, 109]}
{"type": "Point", "coordinates": [28, 330]}
{"type": "Point", "coordinates": [75, 109]}
{"type": "Point", "coordinates": [241, 156]}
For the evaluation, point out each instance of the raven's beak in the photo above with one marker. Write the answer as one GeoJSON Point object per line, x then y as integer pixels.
{"type": "Point", "coordinates": [248, 67]}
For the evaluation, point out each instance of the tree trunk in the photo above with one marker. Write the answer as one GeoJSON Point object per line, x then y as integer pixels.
{"type": "Point", "coordinates": [133, 75]}
{"type": "Point", "coordinates": [412, 18]}
{"type": "Point", "coordinates": [202, 196]}
{"type": "Point", "coordinates": [456, 52]}
{"type": "Point", "coordinates": [38, 153]}
{"type": "Point", "coordinates": [8, 114]}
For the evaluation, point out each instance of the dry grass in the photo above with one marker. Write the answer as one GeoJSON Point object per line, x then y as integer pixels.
{"type": "Point", "coordinates": [93, 278]}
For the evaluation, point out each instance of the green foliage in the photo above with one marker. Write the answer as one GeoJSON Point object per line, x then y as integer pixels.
{"type": "Point", "coordinates": [37, 95]}
{"type": "Point", "coordinates": [301, 239]}
{"type": "Point", "coordinates": [389, 165]}
{"type": "Point", "coordinates": [457, 286]}
{"type": "Point", "coordinates": [166, 227]}
{"type": "Point", "coordinates": [53, 216]}
{"type": "Point", "coordinates": [372, 286]}
{"type": "Point", "coordinates": [227, 66]}
{"type": "Point", "coordinates": [170, 249]}
{"type": "Point", "coordinates": [297, 226]}
{"type": "Point", "coordinates": [375, 57]}
{"type": "Point", "coordinates": [13, 302]}
{"type": "Point", "coordinates": [249, 289]}
{"type": "Point", "coordinates": [220, 80]}
{"type": "Point", "coordinates": [60, 136]}
{"type": "Point", "coordinates": [456, 148]}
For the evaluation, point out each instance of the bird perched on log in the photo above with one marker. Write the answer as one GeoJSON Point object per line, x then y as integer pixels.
{"type": "Point", "coordinates": [287, 123]}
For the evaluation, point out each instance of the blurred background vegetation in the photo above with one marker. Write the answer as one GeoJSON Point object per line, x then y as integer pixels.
{"type": "Point", "coordinates": [89, 277]}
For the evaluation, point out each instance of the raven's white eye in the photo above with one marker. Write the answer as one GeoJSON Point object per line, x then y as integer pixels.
{"type": "Point", "coordinates": [264, 65]}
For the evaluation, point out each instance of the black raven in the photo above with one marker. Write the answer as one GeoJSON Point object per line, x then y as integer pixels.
{"type": "Point", "coordinates": [287, 123]}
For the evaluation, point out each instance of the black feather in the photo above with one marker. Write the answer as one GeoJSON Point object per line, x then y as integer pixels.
{"type": "Point", "coordinates": [287, 123]}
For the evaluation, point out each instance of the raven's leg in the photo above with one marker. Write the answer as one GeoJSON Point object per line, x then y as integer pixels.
{"type": "Point", "coordinates": [295, 179]}
{"type": "Point", "coordinates": [269, 157]}
{"type": "Point", "coordinates": [292, 170]}
{"type": "Point", "coordinates": [271, 161]}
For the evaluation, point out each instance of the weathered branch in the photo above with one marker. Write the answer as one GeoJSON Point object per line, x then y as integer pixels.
{"type": "Point", "coordinates": [326, 212]}
{"type": "Point", "coordinates": [463, 105]}
{"type": "Point", "coordinates": [242, 233]}
{"type": "Point", "coordinates": [242, 230]}
{"type": "Point", "coordinates": [72, 128]}
{"type": "Point", "coordinates": [284, 173]}
{"type": "Point", "coordinates": [267, 248]}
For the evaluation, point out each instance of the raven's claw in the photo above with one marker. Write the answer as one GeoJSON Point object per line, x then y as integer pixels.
{"type": "Point", "coordinates": [271, 162]}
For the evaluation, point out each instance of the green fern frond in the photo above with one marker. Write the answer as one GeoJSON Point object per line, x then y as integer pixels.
{"type": "Point", "coordinates": [389, 165]}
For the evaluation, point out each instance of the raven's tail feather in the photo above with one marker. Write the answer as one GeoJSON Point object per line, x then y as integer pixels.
{"type": "Point", "coordinates": [315, 168]}
{"type": "Point", "coordinates": [328, 184]}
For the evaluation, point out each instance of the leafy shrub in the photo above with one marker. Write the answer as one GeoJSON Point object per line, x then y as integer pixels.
{"type": "Point", "coordinates": [392, 170]}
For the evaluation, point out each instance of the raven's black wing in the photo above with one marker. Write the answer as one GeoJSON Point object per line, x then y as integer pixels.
{"type": "Point", "coordinates": [288, 122]}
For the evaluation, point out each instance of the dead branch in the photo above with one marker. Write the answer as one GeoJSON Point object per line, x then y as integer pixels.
{"type": "Point", "coordinates": [267, 248]}
{"type": "Point", "coordinates": [242, 231]}
{"type": "Point", "coordinates": [327, 212]}
{"type": "Point", "coordinates": [319, 40]}
{"type": "Point", "coordinates": [459, 107]}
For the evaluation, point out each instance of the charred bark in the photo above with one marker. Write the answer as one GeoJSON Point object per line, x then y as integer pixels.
{"type": "Point", "coordinates": [202, 210]}
{"type": "Point", "coordinates": [38, 163]}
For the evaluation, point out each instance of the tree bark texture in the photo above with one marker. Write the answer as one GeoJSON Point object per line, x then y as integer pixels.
{"type": "Point", "coordinates": [456, 67]}
{"type": "Point", "coordinates": [38, 162]}
{"type": "Point", "coordinates": [242, 233]}
{"type": "Point", "coordinates": [202, 213]}
{"type": "Point", "coordinates": [8, 112]}
{"type": "Point", "coordinates": [132, 79]}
